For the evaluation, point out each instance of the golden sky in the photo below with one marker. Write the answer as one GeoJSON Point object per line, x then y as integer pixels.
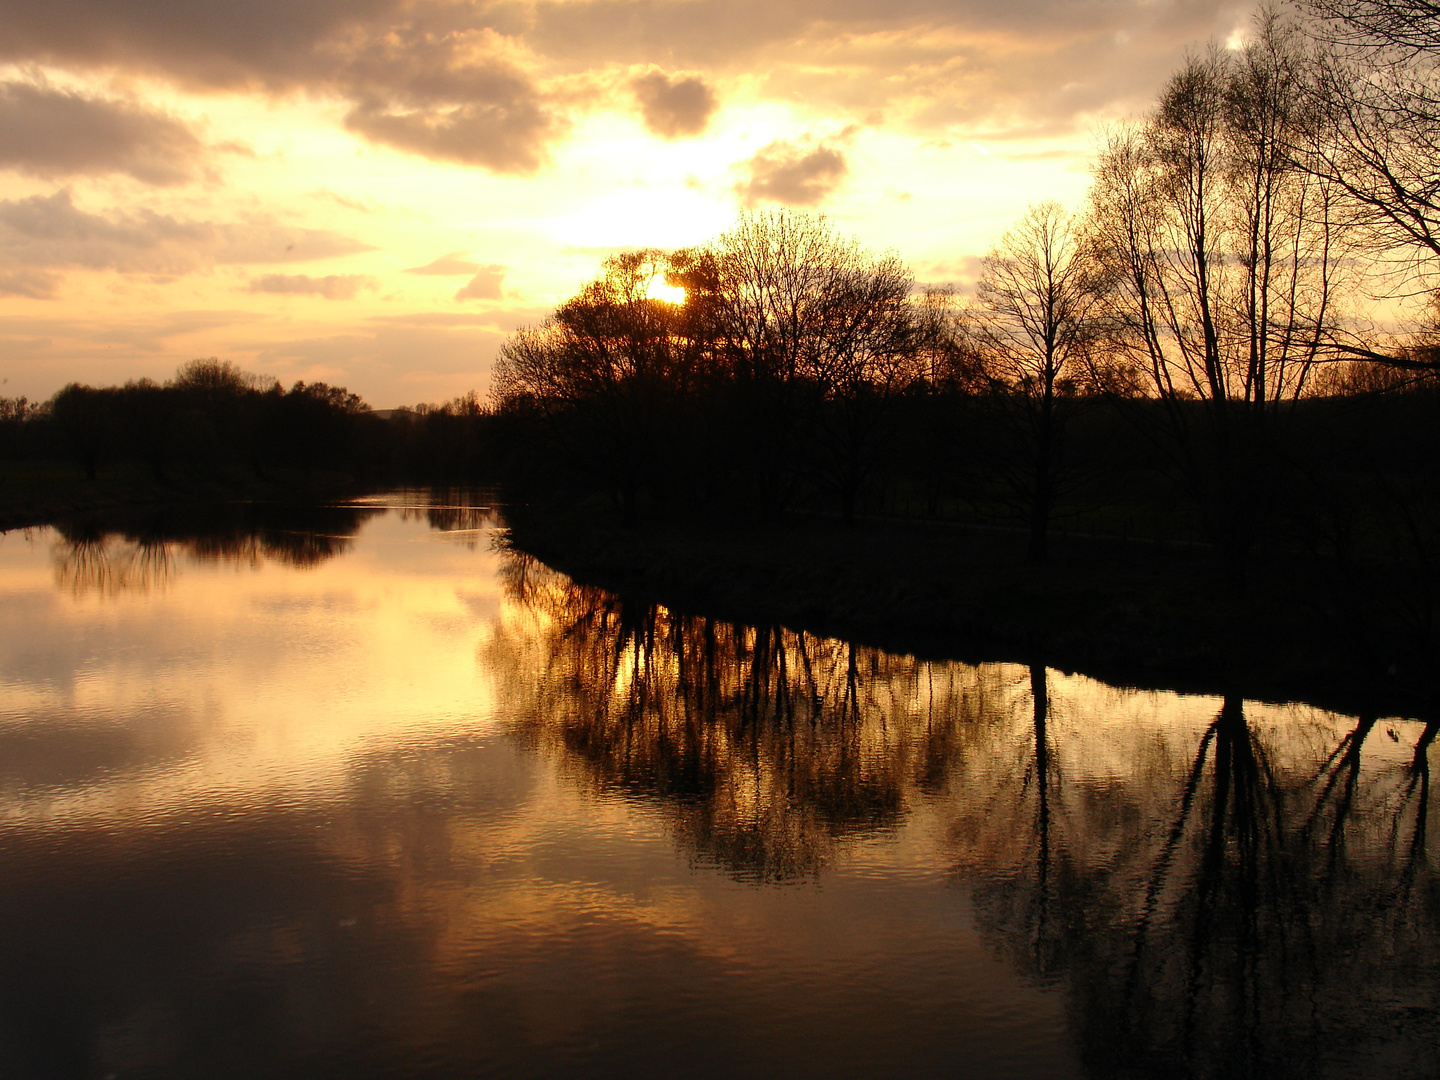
{"type": "Point", "coordinates": [375, 192]}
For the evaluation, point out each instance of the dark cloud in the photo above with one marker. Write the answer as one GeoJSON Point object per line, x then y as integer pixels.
{"type": "Point", "coordinates": [457, 80]}
{"type": "Point", "coordinates": [674, 106]}
{"type": "Point", "coordinates": [698, 34]}
{"type": "Point", "coordinates": [705, 34]}
{"type": "Point", "coordinates": [444, 97]}
{"type": "Point", "coordinates": [485, 285]}
{"type": "Point", "coordinates": [1040, 65]}
{"type": "Point", "coordinates": [49, 132]}
{"type": "Point", "coordinates": [504, 137]}
{"type": "Point", "coordinates": [36, 284]}
{"type": "Point", "coordinates": [448, 265]}
{"type": "Point", "coordinates": [794, 174]}
{"type": "Point", "coordinates": [424, 77]}
{"type": "Point", "coordinates": [51, 232]}
{"type": "Point", "coordinates": [331, 287]}
{"type": "Point", "coordinates": [280, 44]}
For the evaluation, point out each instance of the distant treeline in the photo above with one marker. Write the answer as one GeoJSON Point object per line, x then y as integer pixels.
{"type": "Point", "coordinates": [801, 374]}
{"type": "Point", "coordinates": [1192, 346]}
{"type": "Point", "coordinates": [215, 421]}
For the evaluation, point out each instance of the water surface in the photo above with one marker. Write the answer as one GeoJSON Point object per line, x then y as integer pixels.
{"type": "Point", "coordinates": [354, 791]}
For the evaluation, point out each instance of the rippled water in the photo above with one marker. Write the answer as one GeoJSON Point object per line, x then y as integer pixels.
{"type": "Point", "coordinates": [353, 791]}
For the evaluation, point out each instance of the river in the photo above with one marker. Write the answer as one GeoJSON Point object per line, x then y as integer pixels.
{"type": "Point", "coordinates": [358, 791]}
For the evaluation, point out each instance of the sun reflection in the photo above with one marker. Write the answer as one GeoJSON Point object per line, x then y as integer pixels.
{"type": "Point", "coordinates": [659, 289]}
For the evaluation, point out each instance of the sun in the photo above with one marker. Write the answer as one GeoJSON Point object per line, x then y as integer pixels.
{"type": "Point", "coordinates": [660, 290]}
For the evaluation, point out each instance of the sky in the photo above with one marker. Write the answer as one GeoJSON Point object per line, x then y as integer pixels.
{"type": "Point", "coordinates": [375, 193]}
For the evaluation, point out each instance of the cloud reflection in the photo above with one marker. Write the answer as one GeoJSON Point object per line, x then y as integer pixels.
{"type": "Point", "coordinates": [147, 554]}
{"type": "Point", "coordinates": [1211, 894]}
{"type": "Point", "coordinates": [420, 801]}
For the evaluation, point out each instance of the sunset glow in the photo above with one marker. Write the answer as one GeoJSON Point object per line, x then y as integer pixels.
{"type": "Point", "coordinates": [376, 195]}
{"type": "Point", "coordinates": [671, 294]}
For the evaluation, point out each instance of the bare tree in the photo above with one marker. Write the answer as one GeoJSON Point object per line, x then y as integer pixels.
{"type": "Point", "coordinates": [1227, 263]}
{"type": "Point", "coordinates": [869, 361]}
{"type": "Point", "coordinates": [814, 331]}
{"type": "Point", "coordinates": [1410, 26]}
{"type": "Point", "coordinates": [941, 342]}
{"type": "Point", "coordinates": [1377, 90]}
{"type": "Point", "coordinates": [1033, 322]}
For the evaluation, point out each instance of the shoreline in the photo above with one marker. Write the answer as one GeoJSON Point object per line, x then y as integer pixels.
{"type": "Point", "coordinates": [32, 503]}
{"type": "Point", "coordinates": [1131, 614]}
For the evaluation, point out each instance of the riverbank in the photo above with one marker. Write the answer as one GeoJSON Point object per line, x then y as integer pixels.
{"type": "Point", "coordinates": [1130, 613]}
{"type": "Point", "coordinates": [49, 495]}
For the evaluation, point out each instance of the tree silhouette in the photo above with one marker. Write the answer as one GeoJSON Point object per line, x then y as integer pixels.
{"type": "Point", "coordinates": [1227, 264]}
{"type": "Point", "coordinates": [1039, 290]}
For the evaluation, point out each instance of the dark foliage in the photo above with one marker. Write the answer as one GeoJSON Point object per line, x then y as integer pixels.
{"type": "Point", "coordinates": [214, 422]}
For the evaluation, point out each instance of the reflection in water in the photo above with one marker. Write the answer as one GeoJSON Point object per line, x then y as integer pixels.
{"type": "Point", "coordinates": [454, 510]}
{"type": "Point", "coordinates": [145, 555]}
{"type": "Point", "coordinates": [771, 744]}
{"type": "Point", "coordinates": [283, 821]}
{"type": "Point", "coordinates": [1257, 932]}
{"type": "Point", "coordinates": [109, 565]}
{"type": "Point", "coordinates": [1252, 898]}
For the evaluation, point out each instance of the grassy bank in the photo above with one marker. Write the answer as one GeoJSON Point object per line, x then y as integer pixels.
{"type": "Point", "coordinates": [1130, 612]}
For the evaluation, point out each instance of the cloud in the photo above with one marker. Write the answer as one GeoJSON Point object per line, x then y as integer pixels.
{"type": "Point", "coordinates": [75, 346]}
{"type": "Point", "coordinates": [433, 318]}
{"type": "Point", "coordinates": [51, 133]}
{"type": "Point", "coordinates": [487, 84]}
{"type": "Point", "coordinates": [960, 273]}
{"type": "Point", "coordinates": [486, 285]}
{"type": "Point", "coordinates": [374, 357]}
{"type": "Point", "coordinates": [331, 287]}
{"type": "Point", "coordinates": [504, 138]}
{"type": "Point", "coordinates": [35, 284]}
{"type": "Point", "coordinates": [449, 265]}
{"type": "Point", "coordinates": [341, 200]}
{"type": "Point", "coordinates": [674, 106]}
{"type": "Point", "coordinates": [207, 43]}
{"type": "Point", "coordinates": [924, 65]}
{"type": "Point", "coordinates": [792, 173]}
{"type": "Point", "coordinates": [438, 100]}
{"type": "Point", "coordinates": [152, 334]}
{"type": "Point", "coordinates": [43, 233]}
{"type": "Point", "coordinates": [432, 77]}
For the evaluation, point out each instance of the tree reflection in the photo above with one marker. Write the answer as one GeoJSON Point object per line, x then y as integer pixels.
{"type": "Point", "coordinates": [454, 510]}
{"type": "Point", "coordinates": [1252, 929]}
{"type": "Point", "coordinates": [1201, 977]}
{"type": "Point", "coordinates": [768, 745]}
{"type": "Point", "coordinates": [1251, 894]}
{"type": "Point", "coordinates": [108, 565]}
{"type": "Point", "coordinates": [109, 558]}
